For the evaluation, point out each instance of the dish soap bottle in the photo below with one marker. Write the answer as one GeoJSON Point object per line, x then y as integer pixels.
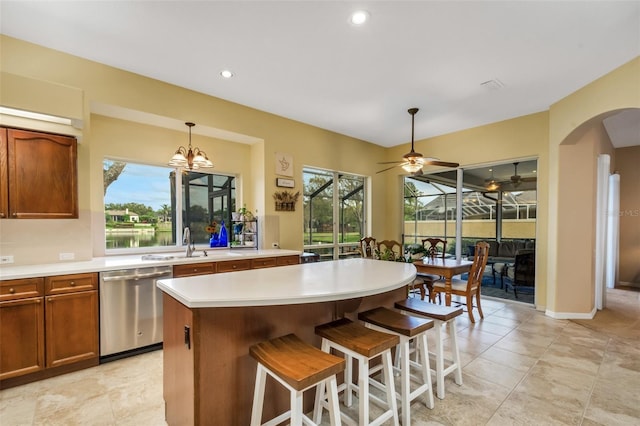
{"type": "Point", "coordinates": [223, 235]}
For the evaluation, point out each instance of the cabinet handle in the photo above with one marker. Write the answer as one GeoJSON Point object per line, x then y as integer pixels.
{"type": "Point", "coordinates": [49, 300]}
{"type": "Point", "coordinates": [12, 290]}
{"type": "Point", "coordinates": [72, 283]}
{"type": "Point", "coordinates": [187, 337]}
{"type": "Point", "coordinates": [235, 266]}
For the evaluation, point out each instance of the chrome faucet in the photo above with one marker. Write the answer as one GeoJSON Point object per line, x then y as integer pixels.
{"type": "Point", "coordinates": [191, 246]}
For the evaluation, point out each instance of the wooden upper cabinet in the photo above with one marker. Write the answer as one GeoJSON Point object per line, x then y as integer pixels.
{"type": "Point", "coordinates": [4, 176]}
{"type": "Point", "coordinates": [41, 175]}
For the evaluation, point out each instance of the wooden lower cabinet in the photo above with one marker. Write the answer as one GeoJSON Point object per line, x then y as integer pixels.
{"type": "Point", "coordinates": [48, 335]}
{"type": "Point", "coordinates": [71, 327]}
{"type": "Point", "coordinates": [21, 337]}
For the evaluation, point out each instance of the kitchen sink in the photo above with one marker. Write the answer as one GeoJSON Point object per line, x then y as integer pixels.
{"type": "Point", "coordinates": [170, 256]}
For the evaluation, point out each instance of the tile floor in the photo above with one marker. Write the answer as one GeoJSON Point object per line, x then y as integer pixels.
{"type": "Point", "coordinates": [520, 368]}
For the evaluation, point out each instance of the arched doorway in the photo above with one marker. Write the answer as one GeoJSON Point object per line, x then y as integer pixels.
{"type": "Point", "coordinates": [578, 154]}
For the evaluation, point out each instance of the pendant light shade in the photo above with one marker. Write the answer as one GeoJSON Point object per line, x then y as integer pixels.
{"type": "Point", "coordinates": [192, 159]}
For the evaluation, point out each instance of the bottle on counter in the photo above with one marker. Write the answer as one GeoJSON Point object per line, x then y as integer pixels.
{"type": "Point", "coordinates": [223, 235]}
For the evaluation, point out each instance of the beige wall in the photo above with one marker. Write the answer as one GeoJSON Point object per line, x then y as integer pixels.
{"type": "Point", "coordinates": [627, 165]}
{"type": "Point", "coordinates": [570, 120]}
{"type": "Point", "coordinates": [43, 72]}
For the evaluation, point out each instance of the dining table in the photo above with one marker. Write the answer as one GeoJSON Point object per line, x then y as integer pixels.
{"type": "Point", "coordinates": [446, 268]}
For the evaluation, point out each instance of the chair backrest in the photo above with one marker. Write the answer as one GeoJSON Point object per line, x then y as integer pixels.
{"type": "Point", "coordinates": [367, 247]}
{"type": "Point", "coordinates": [389, 250]}
{"type": "Point", "coordinates": [435, 247]}
{"type": "Point", "coordinates": [479, 263]}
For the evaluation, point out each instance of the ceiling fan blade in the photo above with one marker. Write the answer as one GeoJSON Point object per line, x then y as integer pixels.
{"type": "Point", "coordinates": [440, 163]}
{"type": "Point", "coordinates": [389, 168]}
{"type": "Point", "coordinates": [529, 179]}
{"type": "Point", "coordinates": [392, 162]}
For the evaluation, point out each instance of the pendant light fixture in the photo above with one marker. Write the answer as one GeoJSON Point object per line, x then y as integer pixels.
{"type": "Point", "coordinates": [192, 159]}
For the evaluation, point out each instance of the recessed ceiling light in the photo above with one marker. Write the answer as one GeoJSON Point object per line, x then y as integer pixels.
{"type": "Point", "coordinates": [359, 17]}
{"type": "Point", "coordinates": [226, 73]}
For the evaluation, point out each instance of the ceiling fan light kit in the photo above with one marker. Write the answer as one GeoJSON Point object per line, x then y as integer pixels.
{"type": "Point", "coordinates": [414, 161]}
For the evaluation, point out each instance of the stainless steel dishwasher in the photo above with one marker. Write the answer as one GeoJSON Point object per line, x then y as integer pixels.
{"type": "Point", "coordinates": [131, 310]}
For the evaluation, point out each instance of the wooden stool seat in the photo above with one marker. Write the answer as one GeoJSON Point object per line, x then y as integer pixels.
{"type": "Point", "coordinates": [298, 366]}
{"type": "Point", "coordinates": [431, 310]}
{"type": "Point", "coordinates": [358, 342]}
{"type": "Point", "coordinates": [357, 338]}
{"type": "Point", "coordinates": [296, 362]}
{"type": "Point", "coordinates": [443, 316]}
{"type": "Point", "coordinates": [409, 329]}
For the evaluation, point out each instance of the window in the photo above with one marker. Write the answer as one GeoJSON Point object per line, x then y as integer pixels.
{"type": "Point", "coordinates": [430, 205]}
{"type": "Point", "coordinates": [334, 213]}
{"type": "Point", "coordinates": [148, 206]}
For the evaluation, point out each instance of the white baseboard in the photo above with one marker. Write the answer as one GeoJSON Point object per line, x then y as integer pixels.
{"type": "Point", "coordinates": [571, 315]}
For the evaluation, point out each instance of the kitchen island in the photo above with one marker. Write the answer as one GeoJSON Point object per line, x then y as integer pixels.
{"type": "Point", "coordinates": [211, 321]}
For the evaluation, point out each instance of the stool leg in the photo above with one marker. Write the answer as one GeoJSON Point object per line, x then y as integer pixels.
{"type": "Point", "coordinates": [348, 381]}
{"type": "Point", "coordinates": [426, 368]}
{"type": "Point", "coordinates": [258, 396]}
{"type": "Point", "coordinates": [334, 407]}
{"type": "Point", "coordinates": [405, 382]}
{"type": "Point", "coordinates": [319, 401]}
{"type": "Point", "coordinates": [455, 352]}
{"type": "Point", "coordinates": [363, 386]}
{"type": "Point", "coordinates": [439, 361]}
{"type": "Point", "coordinates": [391, 392]}
{"type": "Point", "coordinates": [296, 408]}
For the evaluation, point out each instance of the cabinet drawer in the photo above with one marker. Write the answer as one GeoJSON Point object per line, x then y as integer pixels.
{"type": "Point", "coordinates": [21, 289]}
{"type": "Point", "coordinates": [194, 269]}
{"type": "Point", "coordinates": [288, 260]}
{"type": "Point", "coordinates": [265, 262]}
{"type": "Point", "coordinates": [70, 283]}
{"type": "Point", "coordinates": [234, 265]}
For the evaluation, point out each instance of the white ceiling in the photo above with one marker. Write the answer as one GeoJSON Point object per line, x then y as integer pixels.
{"type": "Point", "coordinates": [304, 61]}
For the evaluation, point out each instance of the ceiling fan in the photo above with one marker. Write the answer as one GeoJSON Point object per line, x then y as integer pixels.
{"type": "Point", "coordinates": [516, 179]}
{"type": "Point", "coordinates": [413, 161]}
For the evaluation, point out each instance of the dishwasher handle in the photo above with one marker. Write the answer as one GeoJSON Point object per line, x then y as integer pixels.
{"type": "Point", "coordinates": [136, 276]}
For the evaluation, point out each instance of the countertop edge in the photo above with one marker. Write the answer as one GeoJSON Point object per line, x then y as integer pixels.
{"type": "Point", "coordinates": [109, 263]}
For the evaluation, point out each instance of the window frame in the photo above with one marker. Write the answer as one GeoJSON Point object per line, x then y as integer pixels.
{"type": "Point", "coordinates": [176, 202]}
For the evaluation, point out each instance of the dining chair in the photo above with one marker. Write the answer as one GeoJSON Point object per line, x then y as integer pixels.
{"type": "Point", "coordinates": [471, 286]}
{"type": "Point", "coordinates": [367, 247]}
{"type": "Point", "coordinates": [389, 250]}
{"type": "Point", "coordinates": [434, 247]}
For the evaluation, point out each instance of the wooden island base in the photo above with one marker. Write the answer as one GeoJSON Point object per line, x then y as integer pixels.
{"type": "Point", "coordinates": [208, 373]}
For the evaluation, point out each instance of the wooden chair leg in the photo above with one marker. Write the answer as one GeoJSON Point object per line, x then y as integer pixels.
{"type": "Point", "coordinates": [478, 303]}
{"type": "Point", "coordinates": [470, 307]}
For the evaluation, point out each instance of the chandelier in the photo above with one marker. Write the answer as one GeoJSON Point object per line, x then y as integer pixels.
{"type": "Point", "coordinates": [193, 159]}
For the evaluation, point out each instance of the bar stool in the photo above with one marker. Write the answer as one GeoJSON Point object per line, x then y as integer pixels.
{"type": "Point", "coordinates": [364, 344]}
{"type": "Point", "coordinates": [409, 329]}
{"type": "Point", "coordinates": [297, 366]}
{"type": "Point", "coordinates": [443, 316]}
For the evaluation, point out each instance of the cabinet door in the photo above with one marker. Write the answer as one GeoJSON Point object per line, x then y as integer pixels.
{"type": "Point", "coordinates": [42, 177]}
{"type": "Point", "coordinates": [21, 337]}
{"type": "Point", "coordinates": [71, 283]}
{"type": "Point", "coordinates": [4, 177]}
{"type": "Point", "coordinates": [192, 269]}
{"type": "Point", "coordinates": [263, 262]}
{"type": "Point", "coordinates": [234, 265]}
{"type": "Point", "coordinates": [288, 260]}
{"type": "Point", "coordinates": [71, 327]}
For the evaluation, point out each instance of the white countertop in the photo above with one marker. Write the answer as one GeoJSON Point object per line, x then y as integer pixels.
{"type": "Point", "coordinates": [110, 263]}
{"type": "Point", "coordinates": [284, 285]}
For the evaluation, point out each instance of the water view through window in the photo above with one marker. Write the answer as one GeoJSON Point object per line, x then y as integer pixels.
{"type": "Point", "coordinates": [141, 204]}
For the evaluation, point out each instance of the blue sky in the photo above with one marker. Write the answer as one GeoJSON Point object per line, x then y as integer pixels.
{"type": "Point", "coordinates": [148, 185]}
